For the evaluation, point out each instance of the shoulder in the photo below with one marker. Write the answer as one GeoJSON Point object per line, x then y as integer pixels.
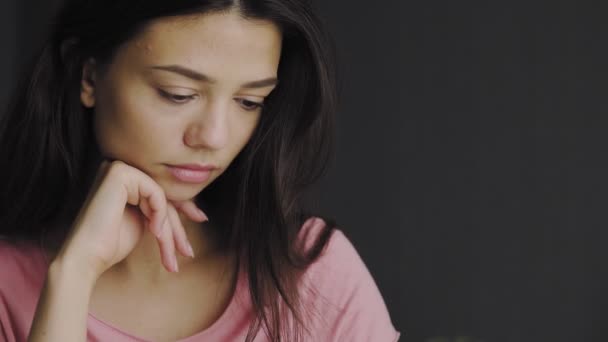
{"type": "Point", "coordinates": [339, 292]}
{"type": "Point", "coordinates": [22, 274]}
{"type": "Point", "coordinates": [339, 258]}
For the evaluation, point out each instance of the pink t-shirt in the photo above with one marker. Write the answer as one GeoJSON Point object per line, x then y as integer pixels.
{"type": "Point", "coordinates": [346, 300]}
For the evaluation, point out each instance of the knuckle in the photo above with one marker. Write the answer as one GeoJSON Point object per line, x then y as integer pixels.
{"type": "Point", "coordinates": [116, 167]}
{"type": "Point", "coordinates": [119, 170]}
{"type": "Point", "coordinates": [116, 163]}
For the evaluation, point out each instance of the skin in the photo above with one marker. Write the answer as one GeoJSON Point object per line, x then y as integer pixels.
{"type": "Point", "coordinates": [148, 114]}
{"type": "Point", "coordinates": [150, 117]}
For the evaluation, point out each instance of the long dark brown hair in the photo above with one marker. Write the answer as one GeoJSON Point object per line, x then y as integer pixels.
{"type": "Point", "coordinates": [49, 155]}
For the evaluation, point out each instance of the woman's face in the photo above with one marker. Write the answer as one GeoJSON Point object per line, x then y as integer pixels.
{"type": "Point", "coordinates": [185, 91]}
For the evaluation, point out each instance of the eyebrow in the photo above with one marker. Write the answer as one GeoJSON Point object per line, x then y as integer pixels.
{"type": "Point", "coordinates": [197, 76]}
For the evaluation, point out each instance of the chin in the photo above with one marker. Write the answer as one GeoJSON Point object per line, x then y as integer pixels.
{"type": "Point", "coordinates": [182, 193]}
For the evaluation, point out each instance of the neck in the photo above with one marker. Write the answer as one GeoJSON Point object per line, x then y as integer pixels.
{"type": "Point", "coordinates": [145, 260]}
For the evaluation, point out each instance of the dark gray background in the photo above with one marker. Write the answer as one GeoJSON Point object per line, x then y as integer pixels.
{"type": "Point", "coordinates": [470, 171]}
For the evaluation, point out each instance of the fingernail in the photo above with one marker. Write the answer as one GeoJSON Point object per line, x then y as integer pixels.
{"type": "Point", "coordinates": [190, 251]}
{"type": "Point", "coordinates": [203, 215]}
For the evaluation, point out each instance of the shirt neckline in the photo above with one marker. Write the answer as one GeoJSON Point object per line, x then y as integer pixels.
{"type": "Point", "coordinates": [207, 332]}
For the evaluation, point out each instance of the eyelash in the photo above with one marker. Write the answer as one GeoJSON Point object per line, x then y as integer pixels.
{"type": "Point", "coordinates": [175, 98]}
{"type": "Point", "coordinates": [255, 105]}
{"type": "Point", "coordinates": [182, 99]}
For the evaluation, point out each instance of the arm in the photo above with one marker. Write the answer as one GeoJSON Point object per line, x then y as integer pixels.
{"type": "Point", "coordinates": [61, 313]}
{"type": "Point", "coordinates": [104, 232]}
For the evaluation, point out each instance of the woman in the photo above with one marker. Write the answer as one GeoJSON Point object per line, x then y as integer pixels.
{"type": "Point", "coordinates": [158, 152]}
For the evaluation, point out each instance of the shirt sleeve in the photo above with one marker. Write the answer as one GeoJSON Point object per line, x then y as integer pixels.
{"type": "Point", "coordinates": [2, 333]}
{"type": "Point", "coordinates": [347, 301]}
{"type": "Point", "coordinates": [22, 274]}
{"type": "Point", "coordinates": [6, 333]}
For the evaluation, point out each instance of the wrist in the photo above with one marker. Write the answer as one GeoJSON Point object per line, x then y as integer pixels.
{"type": "Point", "coordinates": [61, 312]}
{"type": "Point", "coordinates": [69, 269]}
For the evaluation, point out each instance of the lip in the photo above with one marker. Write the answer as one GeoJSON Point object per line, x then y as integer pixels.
{"type": "Point", "coordinates": [196, 167]}
{"type": "Point", "coordinates": [191, 173]}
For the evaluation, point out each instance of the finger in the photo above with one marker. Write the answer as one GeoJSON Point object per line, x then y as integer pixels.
{"type": "Point", "coordinates": [167, 248]}
{"type": "Point", "coordinates": [145, 209]}
{"type": "Point", "coordinates": [141, 188]}
{"type": "Point", "coordinates": [179, 233]}
{"type": "Point", "coordinates": [158, 209]}
{"type": "Point", "coordinates": [147, 212]}
{"type": "Point", "coordinates": [191, 210]}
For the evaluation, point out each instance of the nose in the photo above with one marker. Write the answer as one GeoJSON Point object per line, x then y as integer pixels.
{"type": "Point", "coordinates": [210, 127]}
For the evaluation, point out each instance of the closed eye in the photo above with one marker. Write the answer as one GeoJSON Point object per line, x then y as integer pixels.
{"type": "Point", "coordinates": [176, 98]}
{"type": "Point", "coordinates": [249, 105]}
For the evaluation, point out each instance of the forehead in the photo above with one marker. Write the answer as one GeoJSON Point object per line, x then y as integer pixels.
{"type": "Point", "coordinates": [223, 42]}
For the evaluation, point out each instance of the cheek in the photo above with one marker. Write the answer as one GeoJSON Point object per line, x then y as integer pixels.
{"type": "Point", "coordinates": [130, 129]}
{"type": "Point", "coordinates": [242, 136]}
{"type": "Point", "coordinates": [245, 131]}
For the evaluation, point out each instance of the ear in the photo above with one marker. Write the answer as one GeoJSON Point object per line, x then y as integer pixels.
{"type": "Point", "coordinates": [88, 83]}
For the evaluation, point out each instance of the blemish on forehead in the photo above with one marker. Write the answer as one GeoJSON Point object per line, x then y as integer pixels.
{"type": "Point", "coordinates": [147, 47]}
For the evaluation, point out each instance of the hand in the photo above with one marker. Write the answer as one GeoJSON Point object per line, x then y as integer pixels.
{"type": "Point", "coordinates": [122, 200]}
